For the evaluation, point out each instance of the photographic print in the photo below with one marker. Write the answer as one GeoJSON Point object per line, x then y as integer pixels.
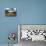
{"type": "Point", "coordinates": [10, 11]}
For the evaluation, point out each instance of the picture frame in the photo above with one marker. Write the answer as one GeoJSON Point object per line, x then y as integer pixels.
{"type": "Point", "coordinates": [10, 11]}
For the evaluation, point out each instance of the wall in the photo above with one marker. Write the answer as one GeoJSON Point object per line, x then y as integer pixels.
{"type": "Point", "coordinates": [28, 12]}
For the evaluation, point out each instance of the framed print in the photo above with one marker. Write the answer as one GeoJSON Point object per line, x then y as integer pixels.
{"type": "Point", "coordinates": [10, 11]}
